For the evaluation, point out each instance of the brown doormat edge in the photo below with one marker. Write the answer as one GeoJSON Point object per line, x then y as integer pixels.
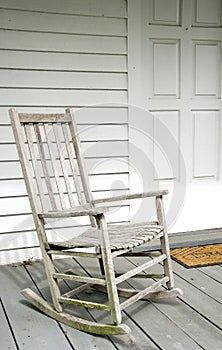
{"type": "Point", "coordinates": [198, 256]}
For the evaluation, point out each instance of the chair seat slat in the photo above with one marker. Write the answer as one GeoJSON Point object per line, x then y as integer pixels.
{"type": "Point", "coordinates": [120, 237]}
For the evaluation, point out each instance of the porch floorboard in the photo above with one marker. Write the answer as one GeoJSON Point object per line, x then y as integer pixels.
{"type": "Point", "coordinates": [190, 322]}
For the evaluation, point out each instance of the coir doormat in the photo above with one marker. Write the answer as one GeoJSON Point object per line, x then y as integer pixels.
{"type": "Point", "coordinates": [198, 256]}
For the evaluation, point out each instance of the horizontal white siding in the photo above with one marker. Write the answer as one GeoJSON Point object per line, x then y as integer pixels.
{"type": "Point", "coordinates": [59, 23]}
{"type": "Point", "coordinates": [54, 55]}
{"type": "Point", "coordinates": [59, 80]}
{"type": "Point", "coordinates": [56, 42]}
{"type": "Point", "coordinates": [60, 61]}
{"type": "Point", "coordinates": [106, 8]}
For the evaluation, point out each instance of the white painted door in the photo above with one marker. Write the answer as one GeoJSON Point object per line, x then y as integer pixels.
{"type": "Point", "coordinates": [175, 114]}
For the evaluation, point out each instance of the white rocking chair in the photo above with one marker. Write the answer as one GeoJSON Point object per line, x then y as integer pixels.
{"type": "Point", "coordinates": [58, 187]}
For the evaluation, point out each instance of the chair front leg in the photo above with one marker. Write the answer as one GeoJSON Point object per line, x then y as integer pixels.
{"type": "Point", "coordinates": [109, 270]}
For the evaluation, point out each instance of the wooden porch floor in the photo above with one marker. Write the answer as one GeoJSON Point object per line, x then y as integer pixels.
{"type": "Point", "coordinates": [190, 322]}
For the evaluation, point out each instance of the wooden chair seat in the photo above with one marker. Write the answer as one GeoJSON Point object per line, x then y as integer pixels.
{"type": "Point", "coordinates": [120, 237]}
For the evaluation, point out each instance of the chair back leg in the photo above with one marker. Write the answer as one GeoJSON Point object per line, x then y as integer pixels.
{"type": "Point", "coordinates": [164, 241]}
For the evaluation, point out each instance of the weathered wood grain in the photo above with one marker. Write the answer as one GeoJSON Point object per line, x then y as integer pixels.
{"type": "Point", "coordinates": [26, 324]}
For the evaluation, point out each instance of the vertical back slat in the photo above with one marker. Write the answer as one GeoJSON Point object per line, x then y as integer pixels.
{"type": "Point", "coordinates": [79, 157]}
{"type": "Point", "coordinates": [60, 147]}
{"type": "Point", "coordinates": [44, 167]}
{"type": "Point", "coordinates": [33, 155]}
{"type": "Point", "coordinates": [72, 164]}
{"type": "Point", "coordinates": [54, 164]}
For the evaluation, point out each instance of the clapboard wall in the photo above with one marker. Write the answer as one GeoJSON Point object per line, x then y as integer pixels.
{"type": "Point", "coordinates": [56, 54]}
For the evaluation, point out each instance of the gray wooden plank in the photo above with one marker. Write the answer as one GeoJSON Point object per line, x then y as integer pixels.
{"type": "Point", "coordinates": [199, 237]}
{"type": "Point", "coordinates": [204, 286]}
{"type": "Point", "coordinates": [32, 329]}
{"type": "Point", "coordinates": [195, 326]}
{"type": "Point", "coordinates": [139, 339]}
{"type": "Point", "coordinates": [200, 302]}
{"type": "Point", "coordinates": [214, 272]}
{"type": "Point", "coordinates": [176, 313]}
{"type": "Point", "coordinates": [79, 339]}
{"type": "Point", "coordinates": [166, 334]}
{"type": "Point", "coordinates": [162, 331]}
{"type": "Point", "coordinates": [165, 330]}
{"type": "Point", "coordinates": [6, 338]}
{"type": "Point", "coordinates": [192, 323]}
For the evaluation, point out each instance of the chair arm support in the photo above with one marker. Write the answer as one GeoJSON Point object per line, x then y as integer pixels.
{"type": "Point", "coordinates": [131, 196]}
{"type": "Point", "coordinates": [78, 211]}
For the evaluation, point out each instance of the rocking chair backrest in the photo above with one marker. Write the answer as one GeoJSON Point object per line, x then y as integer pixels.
{"type": "Point", "coordinates": [50, 155]}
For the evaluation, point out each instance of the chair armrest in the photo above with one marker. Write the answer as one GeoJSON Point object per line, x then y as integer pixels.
{"type": "Point", "coordinates": [78, 211]}
{"type": "Point", "coordinates": [131, 196]}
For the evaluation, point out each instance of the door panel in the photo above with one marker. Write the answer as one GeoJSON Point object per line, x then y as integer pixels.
{"type": "Point", "coordinates": [206, 68]}
{"type": "Point", "coordinates": [179, 65]}
{"type": "Point", "coordinates": [205, 144]}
